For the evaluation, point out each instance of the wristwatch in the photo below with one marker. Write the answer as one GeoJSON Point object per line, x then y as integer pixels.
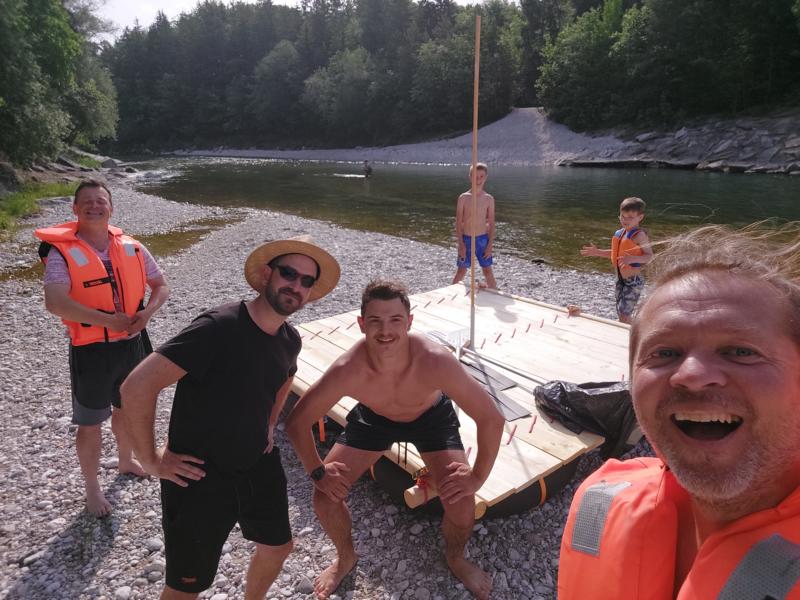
{"type": "Point", "coordinates": [318, 473]}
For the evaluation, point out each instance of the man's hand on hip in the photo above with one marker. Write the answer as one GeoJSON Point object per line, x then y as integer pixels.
{"type": "Point", "coordinates": [177, 468]}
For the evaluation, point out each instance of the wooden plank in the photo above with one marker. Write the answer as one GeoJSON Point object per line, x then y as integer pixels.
{"type": "Point", "coordinates": [521, 312]}
{"type": "Point", "coordinates": [503, 323]}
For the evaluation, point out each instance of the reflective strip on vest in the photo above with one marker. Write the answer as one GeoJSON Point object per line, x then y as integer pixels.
{"type": "Point", "coordinates": [768, 571]}
{"type": "Point", "coordinates": [130, 249]}
{"type": "Point", "coordinates": [79, 257]}
{"type": "Point", "coordinates": [591, 517]}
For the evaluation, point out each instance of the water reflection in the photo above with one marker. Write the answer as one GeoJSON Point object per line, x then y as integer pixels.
{"type": "Point", "coordinates": [542, 212]}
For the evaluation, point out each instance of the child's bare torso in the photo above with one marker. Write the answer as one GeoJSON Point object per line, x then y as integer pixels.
{"type": "Point", "coordinates": [480, 224]}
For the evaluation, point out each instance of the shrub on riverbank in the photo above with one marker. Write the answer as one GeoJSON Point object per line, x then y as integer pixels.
{"type": "Point", "coordinates": [26, 201]}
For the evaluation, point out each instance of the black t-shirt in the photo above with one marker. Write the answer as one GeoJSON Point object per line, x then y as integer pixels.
{"type": "Point", "coordinates": [233, 372]}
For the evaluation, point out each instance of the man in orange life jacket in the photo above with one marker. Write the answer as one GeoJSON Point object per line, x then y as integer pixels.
{"type": "Point", "coordinates": [715, 379]}
{"type": "Point", "coordinates": [95, 279]}
{"type": "Point", "coordinates": [630, 249]}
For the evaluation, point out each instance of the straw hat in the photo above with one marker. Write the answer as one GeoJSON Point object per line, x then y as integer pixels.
{"type": "Point", "coordinates": [261, 256]}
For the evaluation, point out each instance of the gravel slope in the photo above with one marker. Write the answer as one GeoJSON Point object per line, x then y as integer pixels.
{"type": "Point", "coordinates": [52, 549]}
{"type": "Point", "coordinates": [524, 137]}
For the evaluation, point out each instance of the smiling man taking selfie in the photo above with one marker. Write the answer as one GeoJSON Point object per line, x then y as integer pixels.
{"type": "Point", "coordinates": [715, 379]}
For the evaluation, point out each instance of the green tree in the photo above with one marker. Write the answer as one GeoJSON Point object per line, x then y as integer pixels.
{"type": "Point", "coordinates": [277, 88]}
{"type": "Point", "coordinates": [501, 58]}
{"type": "Point", "coordinates": [39, 51]}
{"type": "Point", "coordinates": [440, 94]}
{"type": "Point", "coordinates": [91, 102]}
{"type": "Point", "coordinates": [542, 20]}
{"type": "Point", "coordinates": [577, 82]}
{"type": "Point", "coordinates": [796, 11]}
{"type": "Point", "coordinates": [340, 93]}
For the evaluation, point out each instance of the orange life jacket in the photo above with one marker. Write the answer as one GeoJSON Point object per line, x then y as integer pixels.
{"type": "Point", "coordinates": [91, 284]}
{"type": "Point", "coordinates": [621, 537]}
{"type": "Point", "coordinates": [622, 244]}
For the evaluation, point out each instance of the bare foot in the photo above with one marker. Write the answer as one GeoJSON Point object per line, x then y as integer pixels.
{"type": "Point", "coordinates": [330, 578]}
{"type": "Point", "coordinates": [482, 286]}
{"type": "Point", "coordinates": [475, 579]}
{"type": "Point", "coordinates": [131, 467]}
{"type": "Point", "coordinates": [96, 503]}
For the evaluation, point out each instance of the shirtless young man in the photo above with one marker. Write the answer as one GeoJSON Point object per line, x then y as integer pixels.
{"type": "Point", "coordinates": [403, 383]}
{"type": "Point", "coordinates": [482, 231]}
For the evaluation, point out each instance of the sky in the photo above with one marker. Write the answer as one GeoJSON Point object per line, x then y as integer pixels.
{"type": "Point", "coordinates": [124, 13]}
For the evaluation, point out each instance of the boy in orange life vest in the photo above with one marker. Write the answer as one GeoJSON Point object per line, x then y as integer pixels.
{"type": "Point", "coordinates": [95, 279]}
{"type": "Point", "coordinates": [715, 380]}
{"type": "Point", "coordinates": [630, 249]}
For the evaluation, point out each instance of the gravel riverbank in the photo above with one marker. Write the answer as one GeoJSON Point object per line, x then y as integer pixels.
{"type": "Point", "coordinates": [53, 549]}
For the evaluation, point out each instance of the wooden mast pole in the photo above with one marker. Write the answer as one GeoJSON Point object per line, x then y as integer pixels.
{"type": "Point", "coordinates": [473, 178]}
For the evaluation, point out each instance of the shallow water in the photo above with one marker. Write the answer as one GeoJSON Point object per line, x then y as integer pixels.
{"type": "Point", "coordinates": [542, 212]}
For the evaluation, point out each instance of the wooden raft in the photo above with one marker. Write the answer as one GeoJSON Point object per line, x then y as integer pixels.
{"type": "Point", "coordinates": [526, 341]}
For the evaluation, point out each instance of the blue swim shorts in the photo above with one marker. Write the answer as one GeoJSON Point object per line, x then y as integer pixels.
{"type": "Point", "coordinates": [481, 242]}
{"type": "Point", "coordinates": [627, 294]}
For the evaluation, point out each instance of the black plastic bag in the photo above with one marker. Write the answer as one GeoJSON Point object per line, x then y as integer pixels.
{"type": "Point", "coordinates": [602, 408]}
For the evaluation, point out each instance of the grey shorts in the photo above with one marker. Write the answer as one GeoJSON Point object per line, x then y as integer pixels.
{"type": "Point", "coordinates": [627, 293]}
{"type": "Point", "coordinates": [96, 372]}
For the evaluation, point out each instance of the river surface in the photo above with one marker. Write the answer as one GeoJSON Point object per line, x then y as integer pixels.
{"type": "Point", "coordinates": [542, 212]}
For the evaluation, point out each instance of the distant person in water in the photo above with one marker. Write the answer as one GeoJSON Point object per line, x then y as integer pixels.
{"type": "Point", "coordinates": [630, 250]}
{"type": "Point", "coordinates": [481, 228]}
{"type": "Point", "coordinates": [367, 169]}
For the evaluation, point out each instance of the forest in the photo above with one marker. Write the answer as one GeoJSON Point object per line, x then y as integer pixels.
{"type": "Point", "coordinates": [375, 72]}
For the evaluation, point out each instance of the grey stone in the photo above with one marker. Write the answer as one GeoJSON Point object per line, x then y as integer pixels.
{"type": "Point", "coordinates": [122, 593]}
{"type": "Point", "coordinates": [646, 137]}
{"type": "Point", "coordinates": [304, 586]}
{"type": "Point", "coordinates": [153, 544]}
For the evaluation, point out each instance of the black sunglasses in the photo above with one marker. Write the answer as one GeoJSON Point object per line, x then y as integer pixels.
{"type": "Point", "coordinates": [291, 274]}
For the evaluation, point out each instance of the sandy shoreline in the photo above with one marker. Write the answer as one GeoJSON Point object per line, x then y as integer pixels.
{"type": "Point", "coordinates": [52, 548]}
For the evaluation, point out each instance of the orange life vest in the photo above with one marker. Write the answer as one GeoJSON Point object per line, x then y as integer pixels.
{"type": "Point", "coordinates": [91, 284]}
{"type": "Point", "coordinates": [621, 537]}
{"type": "Point", "coordinates": [622, 244]}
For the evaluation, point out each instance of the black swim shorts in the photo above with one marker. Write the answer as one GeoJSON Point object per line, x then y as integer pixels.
{"type": "Point", "coordinates": [197, 519]}
{"type": "Point", "coordinates": [435, 429]}
{"type": "Point", "coordinates": [96, 372]}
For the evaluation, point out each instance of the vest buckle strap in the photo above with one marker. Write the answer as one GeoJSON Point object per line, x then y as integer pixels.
{"type": "Point", "coordinates": [95, 282]}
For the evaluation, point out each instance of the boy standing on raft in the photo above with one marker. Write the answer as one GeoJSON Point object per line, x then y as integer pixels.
{"type": "Point", "coordinates": [630, 249]}
{"type": "Point", "coordinates": [481, 228]}
{"type": "Point", "coordinates": [403, 383]}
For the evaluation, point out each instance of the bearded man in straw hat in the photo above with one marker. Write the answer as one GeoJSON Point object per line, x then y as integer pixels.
{"type": "Point", "coordinates": [234, 365]}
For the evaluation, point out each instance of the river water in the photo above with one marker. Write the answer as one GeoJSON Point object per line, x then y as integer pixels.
{"type": "Point", "coordinates": [542, 212]}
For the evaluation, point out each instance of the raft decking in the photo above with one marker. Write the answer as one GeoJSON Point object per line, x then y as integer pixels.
{"type": "Point", "coordinates": [516, 339]}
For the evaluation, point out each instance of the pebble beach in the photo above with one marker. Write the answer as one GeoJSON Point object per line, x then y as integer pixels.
{"type": "Point", "coordinates": [51, 548]}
